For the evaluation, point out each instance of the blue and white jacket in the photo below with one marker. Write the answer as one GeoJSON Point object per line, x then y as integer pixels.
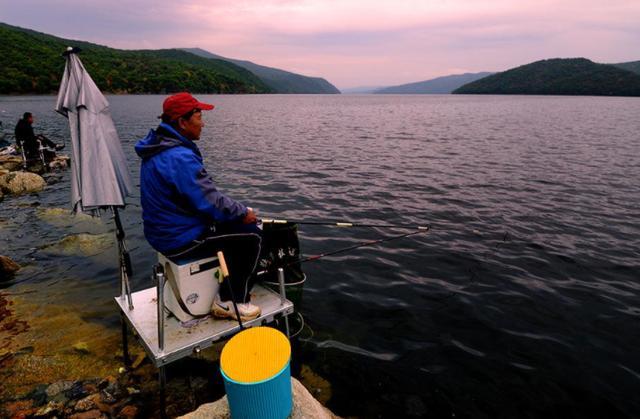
{"type": "Point", "coordinates": [179, 198]}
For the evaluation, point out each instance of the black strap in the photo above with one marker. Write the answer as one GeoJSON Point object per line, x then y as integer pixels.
{"type": "Point", "coordinates": [176, 293]}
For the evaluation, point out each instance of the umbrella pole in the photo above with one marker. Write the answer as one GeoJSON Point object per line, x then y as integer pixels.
{"type": "Point", "coordinates": [124, 260]}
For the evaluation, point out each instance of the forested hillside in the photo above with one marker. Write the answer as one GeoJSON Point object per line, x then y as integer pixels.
{"type": "Point", "coordinates": [32, 63]}
{"type": "Point", "coordinates": [280, 81]}
{"type": "Point", "coordinates": [573, 76]}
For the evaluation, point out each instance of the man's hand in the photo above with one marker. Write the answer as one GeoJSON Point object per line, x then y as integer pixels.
{"type": "Point", "coordinates": [250, 217]}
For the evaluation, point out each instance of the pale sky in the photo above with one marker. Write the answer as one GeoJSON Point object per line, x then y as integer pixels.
{"type": "Point", "coordinates": [352, 42]}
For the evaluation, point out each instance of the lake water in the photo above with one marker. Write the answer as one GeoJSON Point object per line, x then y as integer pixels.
{"type": "Point", "coordinates": [522, 301]}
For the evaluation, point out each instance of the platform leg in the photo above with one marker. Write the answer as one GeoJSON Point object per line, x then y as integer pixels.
{"type": "Point", "coordinates": [162, 377]}
{"type": "Point", "coordinates": [125, 342]}
{"type": "Point", "coordinates": [283, 298]}
{"type": "Point", "coordinates": [192, 393]}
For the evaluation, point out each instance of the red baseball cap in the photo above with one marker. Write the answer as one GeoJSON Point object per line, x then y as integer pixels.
{"type": "Point", "coordinates": [182, 103]}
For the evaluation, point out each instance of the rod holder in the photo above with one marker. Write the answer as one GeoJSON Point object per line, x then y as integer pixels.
{"type": "Point", "coordinates": [283, 296]}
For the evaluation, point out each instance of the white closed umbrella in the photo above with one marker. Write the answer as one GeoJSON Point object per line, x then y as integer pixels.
{"type": "Point", "coordinates": [99, 174]}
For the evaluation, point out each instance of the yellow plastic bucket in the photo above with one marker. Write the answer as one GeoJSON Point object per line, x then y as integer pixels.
{"type": "Point", "coordinates": [257, 378]}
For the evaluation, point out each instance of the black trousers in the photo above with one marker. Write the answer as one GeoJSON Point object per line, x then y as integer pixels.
{"type": "Point", "coordinates": [240, 244]}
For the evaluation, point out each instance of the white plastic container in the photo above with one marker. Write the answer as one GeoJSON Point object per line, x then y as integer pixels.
{"type": "Point", "coordinates": [197, 283]}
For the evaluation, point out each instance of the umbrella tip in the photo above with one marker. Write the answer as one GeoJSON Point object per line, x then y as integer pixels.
{"type": "Point", "coordinates": [71, 50]}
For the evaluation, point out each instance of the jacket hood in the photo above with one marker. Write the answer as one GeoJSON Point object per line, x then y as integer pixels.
{"type": "Point", "coordinates": [163, 138]}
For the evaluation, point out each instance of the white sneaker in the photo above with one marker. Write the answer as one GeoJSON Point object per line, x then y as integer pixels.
{"type": "Point", "coordinates": [225, 310]}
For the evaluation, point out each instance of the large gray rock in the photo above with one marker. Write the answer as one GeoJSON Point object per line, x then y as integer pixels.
{"type": "Point", "coordinates": [18, 183]}
{"type": "Point", "coordinates": [81, 244]}
{"type": "Point", "coordinates": [58, 387]}
{"type": "Point", "coordinates": [304, 407]}
{"type": "Point", "coordinates": [59, 162]}
{"type": "Point", "coordinates": [64, 217]}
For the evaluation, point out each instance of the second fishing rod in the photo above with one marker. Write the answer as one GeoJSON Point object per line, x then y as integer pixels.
{"type": "Point", "coordinates": [342, 224]}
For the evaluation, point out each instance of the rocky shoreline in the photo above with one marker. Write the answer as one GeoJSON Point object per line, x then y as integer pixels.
{"type": "Point", "coordinates": [16, 181]}
{"type": "Point", "coordinates": [81, 375]}
{"type": "Point", "coordinates": [56, 363]}
{"type": "Point", "coordinates": [122, 398]}
{"type": "Point", "coordinates": [305, 406]}
{"type": "Point", "coordinates": [88, 399]}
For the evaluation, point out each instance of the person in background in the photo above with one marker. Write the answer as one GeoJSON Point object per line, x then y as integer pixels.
{"type": "Point", "coordinates": [31, 143]}
{"type": "Point", "coordinates": [185, 216]}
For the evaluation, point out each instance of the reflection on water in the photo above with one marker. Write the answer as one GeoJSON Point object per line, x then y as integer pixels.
{"type": "Point", "coordinates": [521, 301]}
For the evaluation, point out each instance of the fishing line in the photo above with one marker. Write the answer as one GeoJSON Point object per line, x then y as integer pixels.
{"type": "Point", "coordinates": [287, 284]}
{"type": "Point", "coordinates": [302, 325]}
{"type": "Point", "coordinates": [473, 271]}
{"type": "Point", "coordinates": [505, 238]}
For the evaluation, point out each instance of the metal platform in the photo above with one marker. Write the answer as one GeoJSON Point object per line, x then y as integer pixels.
{"type": "Point", "coordinates": [182, 341]}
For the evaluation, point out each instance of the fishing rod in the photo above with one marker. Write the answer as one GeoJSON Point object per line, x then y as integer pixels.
{"type": "Point", "coordinates": [341, 224]}
{"type": "Point", "coordinates": [346, 249]}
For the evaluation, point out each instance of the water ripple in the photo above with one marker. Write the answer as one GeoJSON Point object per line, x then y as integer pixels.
{"type": "Point", "coordinates": [524, 293]}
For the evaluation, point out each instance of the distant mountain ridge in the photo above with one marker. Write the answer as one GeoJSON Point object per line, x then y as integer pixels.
{"type": "Point", "coordinates": [280, 81]}
{"type": "Point", "coordinates": [633, 66]}
{"type": "Point", "coordinates": [560, 76]}
{"type": "Point", "coordinates": [439, 85]}
{"type": "Point", "coordinates": [361, 89]}
{"type": "Point", "coordinates": [32, 63]}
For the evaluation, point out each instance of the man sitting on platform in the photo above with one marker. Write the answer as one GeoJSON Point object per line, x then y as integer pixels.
{"type": "Point", "coordinates": [185, 216]}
